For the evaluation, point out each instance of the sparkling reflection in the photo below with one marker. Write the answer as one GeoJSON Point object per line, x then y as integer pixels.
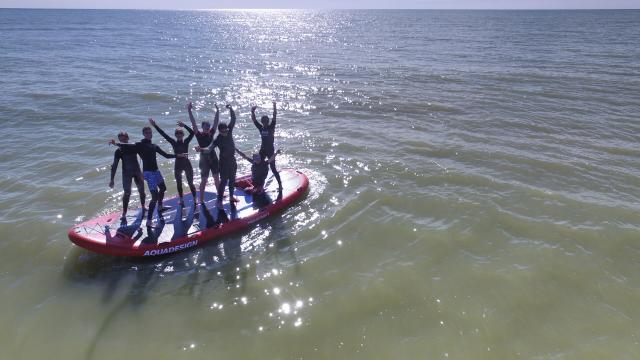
{"type": "Point", "coordinates": [249, 64]}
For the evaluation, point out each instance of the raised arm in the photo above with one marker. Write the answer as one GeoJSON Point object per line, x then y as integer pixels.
{"type": "Point", "coordinates": [253, 117]}
{"type": "Point", "coordinates": [193, 120]}
{"type": "Point", "coordinates": [244, 156]}
{"type": "Point", "coordinates": [191, 133]}
{"type": "Point", "coordinates": [181, 124]}
{"type": "Point", "coordinates": [232, 122]}
{"type": "Point", "coordinates": [275, 112]}
{"type": "Point", "coordinates": [216, 120]}
{"type": "Point", "coordinates": [164, 135]}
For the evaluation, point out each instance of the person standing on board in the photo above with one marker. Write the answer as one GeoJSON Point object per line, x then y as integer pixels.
{"type": "Point", "coordinates": [152, 175]}
{"type": "Point", "coordinates": [267, 131]}
{"type": "Point", "coordinates": [228, 166]}
{"type": "Point", "coordinates": [208, 161]}
{"type": "Point", "coordinates": [180, 146]}
{"type": "Point", "coordinates": [130, 171]}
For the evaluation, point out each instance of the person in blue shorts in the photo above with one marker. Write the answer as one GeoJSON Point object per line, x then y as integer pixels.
{"type": "Point", "coordinates": [155, 182]}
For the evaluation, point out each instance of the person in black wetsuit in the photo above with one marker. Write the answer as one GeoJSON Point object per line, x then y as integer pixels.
{"type": "Point", "coordinates": [228, 166]}
{"type": "Point", "coordinates": [130, 171]}
{"type": "Point", "coordinates": [180, 146]}
{"type": "Point", "coordinates": [267, 131]}
{"type": "Point", "coordinates": [259, 170]}
{"type": "Point", "coordinates": [208, 161]}
{"type": "Point", "coordinates": [147, 152]}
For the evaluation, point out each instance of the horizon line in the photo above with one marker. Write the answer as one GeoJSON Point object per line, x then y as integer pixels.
{"type": "Point", "coordinates": [257, 9]}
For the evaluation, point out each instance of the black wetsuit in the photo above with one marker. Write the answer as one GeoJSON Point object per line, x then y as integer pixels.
{"type": "Point", "coordinates": [130, 171]}
{"type": "Point", "coordinates": [266, 146]}
{"type": "Point", "coordinates": [259, 174]}
{"type": "Point", "coordinates": [147, 152]}
{"type": "Point", "coordinates": [208, 161]}
{"type": "Point", "coordinates": [182, 163]}
{"type": "Point", "coordinates": [228, 165]}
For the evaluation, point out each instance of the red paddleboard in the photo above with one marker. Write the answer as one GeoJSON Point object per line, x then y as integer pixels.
{"type": "Point", "coordinates": [180, 228]}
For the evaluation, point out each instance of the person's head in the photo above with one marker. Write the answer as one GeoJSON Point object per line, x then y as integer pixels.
{"type": "Point", "coordinates": [147, 133]}
{"type": "Point", "coordinates": [206, 126]}
{"type": "Point", "coordinates": [264, 120]}
{"type": "Point", "coordinates": [123, 137]}
{"type": "Point", "coordinates": [179, 133]}
{"type": "Point", "coordinates": [223, 128]}
{"type": "Point", "coordinates": [257, 158]}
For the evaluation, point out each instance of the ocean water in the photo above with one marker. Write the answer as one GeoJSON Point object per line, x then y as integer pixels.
{"type": "Point", "coordinates": [474, 184]}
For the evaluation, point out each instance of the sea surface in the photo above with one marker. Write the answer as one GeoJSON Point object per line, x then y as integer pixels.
{"type": "Point", "coordinates": [475, 184]}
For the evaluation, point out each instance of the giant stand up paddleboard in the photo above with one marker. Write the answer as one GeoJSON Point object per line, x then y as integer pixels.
{"type": "Point", "coordinates": [182, 228]}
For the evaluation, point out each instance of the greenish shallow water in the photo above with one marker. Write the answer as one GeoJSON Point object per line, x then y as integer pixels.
{"type": "Point", "coordinates": [474, 184]}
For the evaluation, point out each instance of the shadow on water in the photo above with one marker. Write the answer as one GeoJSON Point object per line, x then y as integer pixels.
{"type": "Point", "coordinates": [279, 243]}
{"type": "Point", "coordinates": [218, 263]}
{"type": "Point", "coordinates": [141, 278]}
{"type": "Point", "coordinates": [86, 267]}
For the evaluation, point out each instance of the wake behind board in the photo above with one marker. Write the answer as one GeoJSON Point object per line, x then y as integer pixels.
{"type": "Point", "coordinates": [182, 228]}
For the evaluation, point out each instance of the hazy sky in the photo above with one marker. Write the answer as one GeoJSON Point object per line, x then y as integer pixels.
{"type": "Point", "coordinates": [335, 4]}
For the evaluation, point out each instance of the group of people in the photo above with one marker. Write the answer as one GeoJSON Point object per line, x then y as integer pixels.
{"type": "Point", "coordinates": [222, 166]}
